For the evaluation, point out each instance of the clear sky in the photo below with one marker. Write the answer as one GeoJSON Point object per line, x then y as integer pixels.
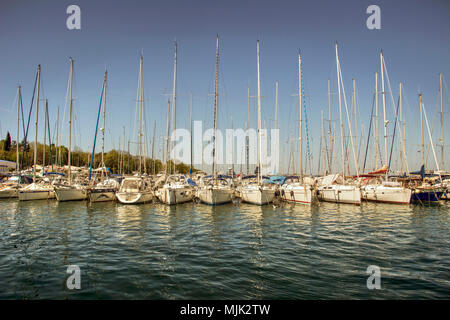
{"type": "Point", "coordinates": [414, 37]}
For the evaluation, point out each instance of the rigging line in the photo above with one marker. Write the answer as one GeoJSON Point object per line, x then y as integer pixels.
{"type": "Point", "coordinates": [306, 124]}
{"type": "Point", "coordinates": [29, 118]}
{"type": "Point", "coordinates": [393, 135]}
{"type": "Point", "coordinates": [368, 135]}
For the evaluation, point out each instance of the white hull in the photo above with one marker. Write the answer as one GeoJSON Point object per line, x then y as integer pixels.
{"type": "Point", "coordinates": [175, 195]}
{"type": "Point", "coordinates": [99, 195]}
{"type": "Point", "coordinates": [380, 193]}
{"type": "Point", "coordinates": [340, 194]}
{"type": "Point", "coordinates": [297, 193]}
{"type": "Point", "coordinates": [257, 195]}
{"type": "Point", "coordinates": [134, 197]}
{"type": "Point", "coordinates": [71, 194]}
{"type": "Point", "coordinates": [215, 196]}
{"type": "Point", "coordinates": [25, 195]}
{"type": "Point", "coordinates": [9, 192]}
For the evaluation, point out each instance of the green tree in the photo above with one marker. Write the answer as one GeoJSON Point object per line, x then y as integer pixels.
{"type": "Point", "coordinates": [7, 143]}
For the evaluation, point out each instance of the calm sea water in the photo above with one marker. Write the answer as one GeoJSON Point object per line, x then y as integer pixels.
{"type": "Point", "coordinates": [228, 252]}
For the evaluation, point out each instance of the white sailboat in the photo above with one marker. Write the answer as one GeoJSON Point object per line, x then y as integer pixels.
{"type": "Point", "coordinates": [69, 191]}
{"type": "Point", "coordinates": [176, 188]}
{"type": "Point", "coordinates": [295, 189]}
{"type": "Point", "coordinates": [106, 189]}
{"type": "Point", "coordinates": [258, 192]}
{"type": "Point", "coordinates": [38, 190]}
{"type": "Point", "coordinates": [383, 190]}
{"type": "Point", "coordinates": [215, 190]}
{"type": "Point", "coordinates": [137, 190]}
{"type": "Point", "coordinates": [335, 188]}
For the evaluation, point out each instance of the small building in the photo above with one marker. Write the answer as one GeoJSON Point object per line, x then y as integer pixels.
{"type": "Point", "coordinates": [7, 166]}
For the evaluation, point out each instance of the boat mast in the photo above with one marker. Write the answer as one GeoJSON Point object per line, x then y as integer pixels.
{"type": "Point", "coordinates": [259, 114]}
{"type": "Point", "coordinates": [383, 92]}
{"type": "Point", "coordinates": [442, 122]}
{"type": "Point", "coordinates": [70, 122]}
{"type": "Point", "coordinates": [45, 135]}
{"type": "Point", "coordinates": [18, 127]}
{"type": "Point", "coordinates": [104, 121]}
{"type": "Point", "coordinates": [216, 103]}
{"type": "Point", "coordinates": [376, 120]}
{"type": "Point", "coordinates": [340, 114]}
{"type": "Point", "coordinates": [36, 123]}
{"type": "Point", "coordinates": [140, 114]}
{"type": "Point", "coordinates": [153, 148]}
{"type": "Point", "coordinates": [190, 123]}
{"type": "Point", "coordinates": [300, 107]}
{"type": "Point", "coordinates": [356, 120]}
{"type": "Point", "coordinates": [174, 101]}
{"type": "Point", "coordinates": [276, 117]}
{"type": "Point", "coordinates": [401, 127]}
{"type": "Point", "coordinates": [57, 138]}
{"type": "Point", "coordinates": [247, 156]}
{"type": "Point", "coordinates": [167, 137]}
{"type": "Point", "coordinates": [421, 128]}
{"type": "Point", "coordinates": [330, 158]}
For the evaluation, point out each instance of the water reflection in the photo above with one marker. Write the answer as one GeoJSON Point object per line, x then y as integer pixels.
{"type": "Point", "coordinates": [224, 252]}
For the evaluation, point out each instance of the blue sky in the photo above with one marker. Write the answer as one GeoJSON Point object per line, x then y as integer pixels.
{"type": "Point", "coordinates": [413, 36]}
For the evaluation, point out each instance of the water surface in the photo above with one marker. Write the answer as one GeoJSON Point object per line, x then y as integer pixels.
{"type": "Point", "coordinates": [194, 251]}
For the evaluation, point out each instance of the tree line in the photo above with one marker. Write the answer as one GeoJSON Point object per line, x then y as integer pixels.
{"type": "Point", "coordinates": [116, 161]}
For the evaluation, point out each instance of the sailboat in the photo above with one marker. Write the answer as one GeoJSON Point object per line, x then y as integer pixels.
{"type": "Point", "coordinates": [295, 188]}
{"type": "Point", "coordinates": [215, 189]}
{"type": "Point", "coordinates": [40, 189]}
{"type": "Point", "coordinates": [257, 192]}
{"type": "Point", "coordinates": [106, 189]}
{"type": "Point", "coordinates": [176, 188]}
{"type": "Point", "coordinates": [10, 188]}
{"type": "Point", "coordinates": [335, 188]}
{"type": "Point", "coordinates": [426, 192]}
{"type": "Point", "coordinates": [70, 191]}
{"type": "Point", "coordinates": [137, 189]}
{"type": "Point", "coordinates": [386, 191]}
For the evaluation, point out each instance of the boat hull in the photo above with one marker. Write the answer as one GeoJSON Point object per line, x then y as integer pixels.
{"type": "Point", "coordinates": [257, 196]}
{"type": "Point", "coordinates": [428, 196]}
{"type": "Point", "coordinates": [172, 196]}
{"type": "Point", "coordinates": [26, 195]}
{"type": "Point", "coordinates": [9, 192]}
{"type": "Point", "coordinates": [71, 194]}
{"type": "Point", "coordinates": [134, 197]}
{"type": "Point", "coordinates": [101, 195]}
{"type": "Point", "coordinates": [340, 194]}
{"type": "Point", "coordinates": [215, 196]}
{"type": "Point", "coordinates": [297, 194]}
{"type": "Point", "coordinates": [380, 193]}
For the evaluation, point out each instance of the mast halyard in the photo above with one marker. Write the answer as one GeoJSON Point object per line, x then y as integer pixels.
{"type": "Point", "coordinates": [36, 123]}
{"type": "Point", "coordinates": [174, 100]}
{"type": "Point", "coordinates": [247, 138]}
{"type": "Point", "coordinates": [19, 98]}
{"type": "Point", "coordinates": [216, 106]}
{"type": "Point", "coordinates": [259, 115]}
{"type": "Point", "coordinates": [70, 121]}
{"type": "Point", "coordinates": [383, 92]}
{"type": "Point", "coordinates": [340, 114]}
{"type": "Point", "coordinates": [104, 121]}
{"type": "Point", "coordinates": [442, 122]}
{"type": "Point", "coordinates": [300, 107]}
{"type": "Point", "coordinates": [45, 135]}
{"type": "Point", "coordinates": [190, 124]}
